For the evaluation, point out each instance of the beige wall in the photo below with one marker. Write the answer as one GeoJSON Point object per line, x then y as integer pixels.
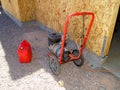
{"type": "Point", "coordinates": [11, 7]}
{"type": "Point", "coordinates": [23, 10]}
{"type": "Point", "coordinates": [52, 13]}
{"type": "Point", "coordinates": [27, 10]}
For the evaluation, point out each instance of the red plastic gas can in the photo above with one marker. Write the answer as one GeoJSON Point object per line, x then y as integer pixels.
{"type": "Point", "coordinates": [24, 52]}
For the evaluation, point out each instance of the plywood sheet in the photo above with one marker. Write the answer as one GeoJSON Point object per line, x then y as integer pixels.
{"type": "Point", "coordinates": [23, 10]}
{"type": "Point", "coordinates": [26, 10]}
{"type": "Point", "coordinates": [111, 26]}
{"type": "Point", "coordinates": [52, 13]}
{"type": "Point", "coordinates": [11, 7]}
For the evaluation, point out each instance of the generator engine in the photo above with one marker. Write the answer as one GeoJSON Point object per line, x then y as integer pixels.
{"type": "Point", "coordinates": [55, 41]}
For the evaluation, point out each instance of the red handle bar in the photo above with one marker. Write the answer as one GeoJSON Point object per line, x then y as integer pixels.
{"type": "Point", "coordinates": [65, 32]}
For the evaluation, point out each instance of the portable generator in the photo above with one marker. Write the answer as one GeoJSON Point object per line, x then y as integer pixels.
{"type": "Point", "coordinates": [62, 49]}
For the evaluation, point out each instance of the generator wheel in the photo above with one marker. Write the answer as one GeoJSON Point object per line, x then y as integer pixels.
{"type": "Point", "coordinates": [79, 62]}
{"type": "Point", "coordinates": [54, 65]}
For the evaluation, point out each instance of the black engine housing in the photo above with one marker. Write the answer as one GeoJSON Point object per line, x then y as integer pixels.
{"type": "Point", "coordinates": [54, 42]}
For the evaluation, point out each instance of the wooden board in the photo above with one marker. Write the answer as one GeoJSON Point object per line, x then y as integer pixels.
{"type": "Point", "coordinates": [52, 13]}
{"type": "Point", "coordinates": [23, 10]}
{"type": "Point", "coordinates": [111, 26]}
{"type": "Point", "coordinates": [26, 10]}
{"type": "Point", "coordinates": [11, 7]}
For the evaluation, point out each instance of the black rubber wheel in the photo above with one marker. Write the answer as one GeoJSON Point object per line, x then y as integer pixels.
{"type": "Point", "coordinates": [80, 61]}
{"type": "Point", "coordinates": [54, 65]}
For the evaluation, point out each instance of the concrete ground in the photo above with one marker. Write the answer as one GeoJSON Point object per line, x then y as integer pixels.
{"type": "Point", "coordinates": [37, 74]}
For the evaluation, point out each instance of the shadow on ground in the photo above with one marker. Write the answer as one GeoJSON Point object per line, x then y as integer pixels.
{"type": "Point", "coordinates": [10, 37]}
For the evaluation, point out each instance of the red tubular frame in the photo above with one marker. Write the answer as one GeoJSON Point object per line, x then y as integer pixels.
{"type": "Point", "coordinates": [85, 38]}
